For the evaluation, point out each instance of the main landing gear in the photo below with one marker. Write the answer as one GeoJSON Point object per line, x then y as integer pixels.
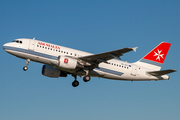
{"type": "Point", "coordinates": [75, 83]}
{"type": "Point", "coordinates": [86, 78]}
{"type": "Point", "coordinates": [27, 63]}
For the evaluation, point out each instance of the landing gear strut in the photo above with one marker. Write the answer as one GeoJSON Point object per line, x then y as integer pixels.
{"type": "Point", "coordinates": [27, 63]}
{"type": "Point", "coordinates": [75, 83]}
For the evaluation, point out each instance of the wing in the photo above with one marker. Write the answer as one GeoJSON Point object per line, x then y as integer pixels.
{"type": "Point", "coordinates": [103, 57]}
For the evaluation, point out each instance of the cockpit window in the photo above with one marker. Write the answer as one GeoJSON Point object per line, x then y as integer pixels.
{"type": "Point", "coordinates": [17, 41]}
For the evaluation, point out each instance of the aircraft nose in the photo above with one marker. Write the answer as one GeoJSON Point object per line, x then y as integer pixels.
{"type": "Point", "coordinates": [5, 46]}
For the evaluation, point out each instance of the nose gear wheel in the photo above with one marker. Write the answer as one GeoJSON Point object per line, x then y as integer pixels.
{"type": "Point", "coordinates": [27, 63]}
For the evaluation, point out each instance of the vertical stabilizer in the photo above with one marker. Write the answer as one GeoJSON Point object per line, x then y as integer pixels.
{"type": "Point", "coordinates": [155, 58]}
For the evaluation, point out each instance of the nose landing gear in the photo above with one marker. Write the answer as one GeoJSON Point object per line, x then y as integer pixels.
{"type": "Point", "coordinates": [27, 63]}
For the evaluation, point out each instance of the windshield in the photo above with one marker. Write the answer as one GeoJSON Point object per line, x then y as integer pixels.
{"type": "Point", "coordinates": [17, 41]}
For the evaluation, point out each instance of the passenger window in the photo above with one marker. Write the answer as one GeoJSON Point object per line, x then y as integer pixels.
{"type": "Point", "coordinates": [21, 42]}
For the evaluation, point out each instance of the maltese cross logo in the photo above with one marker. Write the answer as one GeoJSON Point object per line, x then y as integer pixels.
{"type": "Point", "coordinates": [66, 60]}
{"type": "Point", "coordinates": [159, 55]}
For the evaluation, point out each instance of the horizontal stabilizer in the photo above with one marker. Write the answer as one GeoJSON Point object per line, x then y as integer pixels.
{"type": "Point", "coordinates": [161, 72]}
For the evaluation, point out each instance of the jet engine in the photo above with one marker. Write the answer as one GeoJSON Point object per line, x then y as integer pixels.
{"type": "Point", "coordinates": [68, 63]}
{"type": "Point", "coordinates": [50, 71]}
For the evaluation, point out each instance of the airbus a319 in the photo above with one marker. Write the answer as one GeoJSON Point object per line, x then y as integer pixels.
{"type": "Point", "coordinates": [60, 61]}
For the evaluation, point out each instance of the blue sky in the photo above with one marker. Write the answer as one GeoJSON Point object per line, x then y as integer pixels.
{"type": "Point", "coordinates": [94, 26]}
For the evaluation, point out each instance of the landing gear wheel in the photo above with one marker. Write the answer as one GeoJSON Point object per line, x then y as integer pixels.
{"type": "Point", "coordinates": [75, 83]}
{"type": "Point", "coordinates": [25, 68]}
{"type": "Point", "coordinates": [86, 78]}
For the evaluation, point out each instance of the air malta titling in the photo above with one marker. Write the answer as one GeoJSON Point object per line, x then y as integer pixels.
{"type": "Point", "coordinates": [60, 61]}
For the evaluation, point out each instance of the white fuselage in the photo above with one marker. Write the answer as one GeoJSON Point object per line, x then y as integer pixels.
{"type": "Point", "coordinates": [48, 53]}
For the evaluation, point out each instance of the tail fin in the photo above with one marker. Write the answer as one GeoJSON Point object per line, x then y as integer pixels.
{"type": "Point", "coordinates": [155, 58]}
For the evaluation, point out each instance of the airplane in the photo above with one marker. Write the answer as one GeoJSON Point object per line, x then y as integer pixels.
{"type": "Point", "coordinates": [60, 61]}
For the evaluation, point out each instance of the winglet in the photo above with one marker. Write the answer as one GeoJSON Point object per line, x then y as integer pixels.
{"type": "Point", "coordinates": [135, 48]}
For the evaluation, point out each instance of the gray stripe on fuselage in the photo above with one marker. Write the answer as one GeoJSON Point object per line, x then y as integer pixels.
{"type": "Point", "coordinates": [31, 52]}
{"type": "Point", "coordinates": [151, 62]}
{"type": "Point", "coordinates": [109, 71]}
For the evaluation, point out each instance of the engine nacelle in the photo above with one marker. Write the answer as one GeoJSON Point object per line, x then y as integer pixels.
{"type": "Point", "coordinates": [68, 63]}
{"type": "Point", "coordinates": [50, 71]}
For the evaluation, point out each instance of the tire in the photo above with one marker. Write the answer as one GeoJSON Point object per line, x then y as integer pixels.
{"type": "Point", "coordinates": [75, 83]}
{"type": "Point", "coordinates": [25, 68]}
{"type": "Point", "coordinates": [86, 78]}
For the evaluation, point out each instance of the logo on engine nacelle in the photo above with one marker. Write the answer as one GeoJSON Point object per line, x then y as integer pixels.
{"type": "Point", "coordinates": [66, 60]}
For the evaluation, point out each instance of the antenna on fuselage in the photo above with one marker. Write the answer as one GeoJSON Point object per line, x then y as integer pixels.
{"type": "Point", "coordinates": [34, 38]}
